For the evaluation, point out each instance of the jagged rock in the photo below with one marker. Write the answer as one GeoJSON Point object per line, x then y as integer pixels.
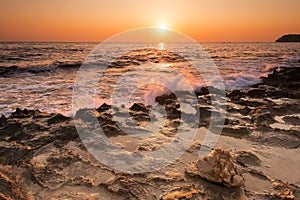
{"type": "Point", "coordinates": [139, 107]}
{"type": "Point", "coordinates": [103, 107]}
{"type": "Point", "coordinates": [19, 113]}
{"type": "Point", "coordinates": [139, 112]}
{"type": "Point", "coordinates": [218, 167]}
{"type": "Point", "coordinates": [57, 118]}
{"type": "Point", "coordinates": [287, 80]}
{"type": "Point", "coordinates": [47, 147]}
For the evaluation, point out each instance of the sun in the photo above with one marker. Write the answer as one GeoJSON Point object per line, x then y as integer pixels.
{"type": "Point", "coordinates": [163, 26]}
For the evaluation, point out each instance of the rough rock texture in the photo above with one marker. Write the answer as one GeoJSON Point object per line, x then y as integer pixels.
{"type": "Point", "coordinates": [218, 167]}
{"type": "Point", "coordinates": [283, 190]}
{"type": "Point", "coordinates": [184, 192]}
{"type": "Point", "coordinates": [11, 186]}
{"type": "Point", "coordinates": [42, 157]}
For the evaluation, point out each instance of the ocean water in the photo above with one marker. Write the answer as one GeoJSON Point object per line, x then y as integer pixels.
{"type": "Point", "coordinates": [41, 75]}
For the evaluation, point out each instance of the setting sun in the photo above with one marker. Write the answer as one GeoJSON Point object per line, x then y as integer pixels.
{"type": "Point", "coordinates": [163, 26]}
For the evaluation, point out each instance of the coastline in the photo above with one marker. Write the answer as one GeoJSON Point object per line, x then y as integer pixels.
{"type": "Point", "coordinates": [41, 154]}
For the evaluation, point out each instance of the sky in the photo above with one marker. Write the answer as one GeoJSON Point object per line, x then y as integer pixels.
{"type": "Point", "coordinates": [97, 20]}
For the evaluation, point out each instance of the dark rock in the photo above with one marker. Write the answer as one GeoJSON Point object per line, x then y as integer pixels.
{"type": "Point", "coordinates": [65, 133]}
{"type": "Point", "coordinates": [236, 94]}
{"type": "Point", "coordinates": [287, 80]}
{"type": "Point", "coordinates": [21, 136]}
{"type": "Point", "coordinates": [57, 118]}
{"type": "Point", "coordinates": [4, 71]}
{"type": "Point", "coordinates": [11, 186]}
{"type": "Point", "coordinates": [10, 129]}
{"type": "Point", "coordinates": [25, 113]}
{"type": "Point", "coordinates": [3, 121]}
{"type": "Point", "coordinates": [33, 127]}
{"type": "Point", "coordinates": [139, 107]}
{"type": "Point", "coordinates": [104, 107]}
{"type": "Point", "coordinates": [294, 120]}
{"type": "Point", "coordinates": [14, 153]}
{"type": "Point", "coordinates": [166, 99]}
{"type": "Point", "coordinates": [256, 93]}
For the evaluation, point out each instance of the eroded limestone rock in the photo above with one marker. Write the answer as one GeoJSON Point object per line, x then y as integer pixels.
{"type": "Point", "coordinates": [218, 167]}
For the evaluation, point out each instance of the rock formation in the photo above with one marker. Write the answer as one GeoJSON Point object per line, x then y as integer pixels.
{"type": "Point", "coordinates": [218, 167]}
{"type": "Point", "coordinates": [43, 152]}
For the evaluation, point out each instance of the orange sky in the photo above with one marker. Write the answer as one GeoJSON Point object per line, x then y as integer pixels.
{"type": "Point", "coordinates": [96, 20]}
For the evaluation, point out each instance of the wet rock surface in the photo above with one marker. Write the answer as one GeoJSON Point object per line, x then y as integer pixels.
{"type": "Point", "coordinates": [43, 151]}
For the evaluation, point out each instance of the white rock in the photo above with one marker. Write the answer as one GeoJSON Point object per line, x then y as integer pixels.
{"type": "Point", "coordinates": [218, 167]}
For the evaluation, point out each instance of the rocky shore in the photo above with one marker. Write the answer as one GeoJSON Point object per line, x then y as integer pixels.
{"type": "Point", "coordinates": [257, 155]}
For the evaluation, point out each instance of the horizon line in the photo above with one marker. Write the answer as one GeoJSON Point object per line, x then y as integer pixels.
{"type": "Point", "coordinates": [44, 41]}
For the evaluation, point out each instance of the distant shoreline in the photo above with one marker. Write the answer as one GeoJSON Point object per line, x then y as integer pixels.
{"type": "Point", "coordinates": [289, 38]}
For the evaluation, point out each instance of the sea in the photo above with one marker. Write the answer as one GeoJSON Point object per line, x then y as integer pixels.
{"type": "Point", "coordinates": [42, 75]}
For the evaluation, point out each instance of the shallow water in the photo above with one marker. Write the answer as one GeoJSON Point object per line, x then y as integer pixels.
{"type": "Point", "coordinates": [41, 75]}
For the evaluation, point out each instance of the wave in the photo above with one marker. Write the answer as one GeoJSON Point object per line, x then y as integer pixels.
{"type": "Point", "coordinates": [291, 59]}
{"type": "Point", "coordinates": [241, 81]}
{"type": "Point", "coordinates": [11, 70]}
